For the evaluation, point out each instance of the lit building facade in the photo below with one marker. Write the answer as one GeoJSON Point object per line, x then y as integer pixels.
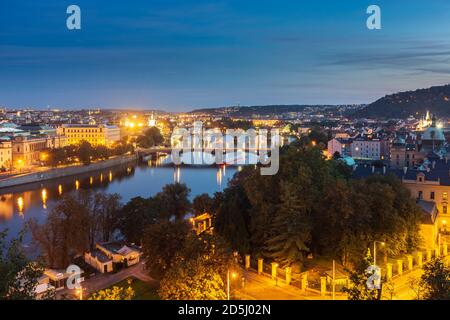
{"type": "Point", "coordinates": [26, 150]}
{"type": "Point", "coordinates": [412, 151]}
{"type": "Point", "coordinates": [339, 145]}
{"type": "Point", "coordinates": [94, 134]}
{"type": "Point", "coordinates": [5, 155]}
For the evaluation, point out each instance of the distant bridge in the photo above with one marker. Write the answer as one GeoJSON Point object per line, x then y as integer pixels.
{"type": "Point", "coordinates": [146, 151]}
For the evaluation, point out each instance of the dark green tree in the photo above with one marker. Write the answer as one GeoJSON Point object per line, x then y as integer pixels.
{"type": "Point", "coordinates": [151, 137]}
{"type": "Point", "coordinates": [358, 288]}
{"type": "Point", "coordinates": [135, 216]}
{"type": "Point", "coordinates": [65, 233]}
{"type": "Point", "coordinates": [232, 219]}
{"type": "Point", "coordinates": [85, 152]}
{"type": "Point", "coordinates": [174, 201]}
{"type": "Point", "coordinates": [436, 280]}
{"type": "Point", "coordinates": [19, 275]}
{"type": "Point", "coordinates": [203, 203]}
{"type": "Point", "coordinates": [162, 243]}
{"type": "Point", "coordinates": [291, 229]}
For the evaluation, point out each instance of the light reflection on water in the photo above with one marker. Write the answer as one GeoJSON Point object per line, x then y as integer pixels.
{"type": "Point", "coordinates": [22, 203]}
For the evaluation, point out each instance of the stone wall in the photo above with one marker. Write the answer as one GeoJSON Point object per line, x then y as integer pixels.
{"type": "Point", "coordinates": [65, 172]}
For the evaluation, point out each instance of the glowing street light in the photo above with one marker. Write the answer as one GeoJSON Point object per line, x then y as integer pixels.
{"type": "Point", "coordinates": [80, 292]}
{"type": "Point", "coordinates": [233, 275]}
{"type": "Point", "coordinates": [20, 164]}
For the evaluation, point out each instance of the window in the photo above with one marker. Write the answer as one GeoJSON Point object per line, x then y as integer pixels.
{"type": "Point", "coordinates": [420, 195]}
{"type": "Point", "coordinates": [420, 178]}
{"type": "Point", "coordinates": [444, 209]}
{"type": "Point", "coordinates": [432, 195]}
{"type": "Point", "coordinates": [444, 196]}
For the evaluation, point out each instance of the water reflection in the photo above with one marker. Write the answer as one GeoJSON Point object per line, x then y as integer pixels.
{"type": "Point", "coordinates": [44, 198]}
{"type": "Point", "coordinates": [177, 175]}
{"type": "Point", "coordinates": [21, 203]}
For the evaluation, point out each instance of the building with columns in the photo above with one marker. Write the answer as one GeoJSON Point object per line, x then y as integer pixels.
{"type": "Point", "coordinates": [5, 153]}
{"type": "Point", "coordinates": [92, 133]}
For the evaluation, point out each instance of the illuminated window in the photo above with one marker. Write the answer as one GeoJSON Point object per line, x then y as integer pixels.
{"type": "Point", "coordinates": [445, 196]}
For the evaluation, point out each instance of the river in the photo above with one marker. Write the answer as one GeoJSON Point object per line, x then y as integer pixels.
{"type": "Point", "coordinates": [19, 204]}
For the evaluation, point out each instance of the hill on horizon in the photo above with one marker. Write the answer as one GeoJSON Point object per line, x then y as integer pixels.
{"type": "Point", "coordinates": [436, 99]}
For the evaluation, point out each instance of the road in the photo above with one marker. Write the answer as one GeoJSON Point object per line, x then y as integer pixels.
{"type": "Point", "coordinates": [402, 288]}
{"type": "Point", "coordinates": [104, 280]}
{"type": "Point", "coordinates": [261, 287]}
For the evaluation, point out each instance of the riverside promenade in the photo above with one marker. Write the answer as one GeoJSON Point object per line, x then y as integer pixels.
{"type": "Point", "coordinates": [54, 173]}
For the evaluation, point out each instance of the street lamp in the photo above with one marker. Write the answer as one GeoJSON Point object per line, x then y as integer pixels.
{"type": "Point", "coordinates": [80, 292]}
{"type": "Point", "coordinates": [375, 251]}
{"type": "Point", "coordinates": [233, 275]}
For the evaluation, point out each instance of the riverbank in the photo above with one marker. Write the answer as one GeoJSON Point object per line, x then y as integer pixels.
{"type": "Point", "coordinates": [56, 173]}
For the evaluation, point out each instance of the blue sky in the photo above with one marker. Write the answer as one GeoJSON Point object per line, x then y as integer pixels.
{"type": "Point", "coordinates": [184, 54]}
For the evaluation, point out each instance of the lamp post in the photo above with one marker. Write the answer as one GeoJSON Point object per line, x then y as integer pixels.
{"type": "Point", "coordinates": [233, 275]}
{"type": "Point", "coordinates": [80, 292]}
{"type": "Point", "coordinates": [375, 251]}
{"type": "Point", "coordinates": [334, 276]}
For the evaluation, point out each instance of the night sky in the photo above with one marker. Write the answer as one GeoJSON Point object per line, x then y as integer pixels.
{"type": "Point", "coordinates": [180, 55]}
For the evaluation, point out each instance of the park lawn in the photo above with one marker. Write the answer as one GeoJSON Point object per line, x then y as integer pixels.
{"type": "Point", "coordinates": [142, 290]}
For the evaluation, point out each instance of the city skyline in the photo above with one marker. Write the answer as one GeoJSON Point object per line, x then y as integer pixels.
{"type": "Point", "coordinates": [179, 56]}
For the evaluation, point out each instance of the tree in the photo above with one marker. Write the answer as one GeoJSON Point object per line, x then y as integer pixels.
{"type": "Point", "coordinates": [174, 201]}
{"type": "Point", "coordinates": [192, 279]}
{"type": "Point", "coordinates": [161, 243]}
{"type": "Point", "coordinates": [85, 151]}
{"type": "Point", "coordinates": [65, 233]}
{"type": "Point", "coordinates": [107, 215]}
{"type": "Point", "coordinates": [101, 152]}
{"type": "Point", "coordinates": [232, 219]}
{"type": "Point", "coordinates": [151, 137]}
{"type": "Point", "coordinates": [203, 203]}
{"type": "Point", "coordinates": [417, 285]}
{"type": "Point", "coordinates": [291, 229]}
{"type": "Point", "coordinates": [135, 216]}
{"type": "Point", "coordinates": [116, 293]}
{"type": "Point", "coordinates": [436, 280]}
{"type": "Point", "coordinates": [358, 289]}
{"type": "Point", "coordinates": [199, 269]}
{"type": "Point", "coordinates": [104, 213]}
{"type": "Point", "coordinates": [19, 275]}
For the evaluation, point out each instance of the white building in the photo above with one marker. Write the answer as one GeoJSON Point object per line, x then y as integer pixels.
{"type": "Point", "coordinates": [366, 149]}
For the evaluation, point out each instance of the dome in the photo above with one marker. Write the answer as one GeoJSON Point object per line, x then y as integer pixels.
{"type": "Point", "coordinates": [399, 141]}
{"type": "Point", "coordinates": [433, 133]}
{"type": "Point", "coordinates": [348, 161]}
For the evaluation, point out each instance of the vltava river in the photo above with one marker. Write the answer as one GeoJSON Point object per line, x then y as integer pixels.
{"type": "Point", "coordinates": [36, 200]}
